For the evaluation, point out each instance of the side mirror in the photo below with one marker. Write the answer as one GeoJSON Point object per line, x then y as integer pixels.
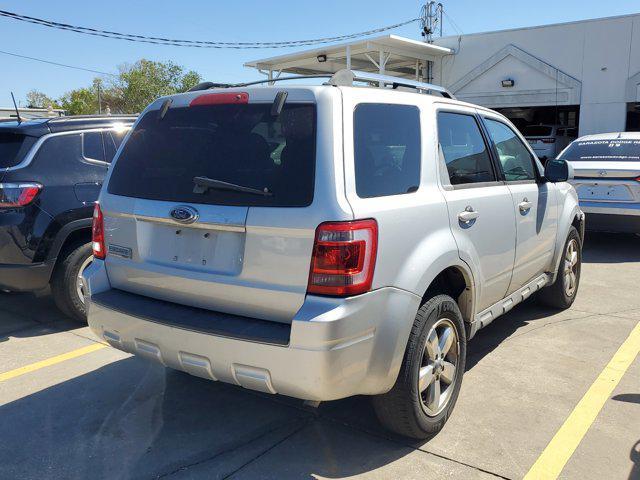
{"type": "Point", "coordinates": [558, 171]}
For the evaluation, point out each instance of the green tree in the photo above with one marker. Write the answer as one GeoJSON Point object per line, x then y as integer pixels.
{"type": "Point", "coordinates": [139, 84]}
{"type": "Point", "coordinates": [135, 87]}
{"type": "Point", "coordinates": [81, 101]}
{"type": "Point", "coordinates": [37, 99]}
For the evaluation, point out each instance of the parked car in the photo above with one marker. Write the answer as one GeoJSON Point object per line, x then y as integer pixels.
{"type": "Point", "coordinates": [322, 241]}
{"type": "Point", "coordinates": [607, 179]}
{"type": "Point", "coordinates": [51, 171]}
{"type": "Point", "coordinates": [549, 140]}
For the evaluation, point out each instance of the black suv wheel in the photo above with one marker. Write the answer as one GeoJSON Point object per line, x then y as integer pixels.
{"type": "Point", "coordinates": [67, 286]}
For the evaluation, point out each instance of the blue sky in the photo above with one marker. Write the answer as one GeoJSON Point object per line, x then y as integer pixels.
{"type": "Point", "coordinates": [232, 21]}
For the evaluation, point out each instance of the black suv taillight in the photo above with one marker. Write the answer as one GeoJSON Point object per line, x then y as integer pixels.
{"type": "Point", "coordinates": [13, 195]}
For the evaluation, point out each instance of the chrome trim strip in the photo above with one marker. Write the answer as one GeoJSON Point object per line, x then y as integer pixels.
{"type": "Point", "coordinates": [225, 227]}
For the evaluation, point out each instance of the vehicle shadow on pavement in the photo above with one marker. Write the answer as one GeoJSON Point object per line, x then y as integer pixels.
{"type": "Point", "coordinates": [31, 315]}
{"type": "Point", "coordinates": [611, 248]}
{"type": "Point", "coordinates": [134, 419]}
{"type": "Point", "coordinates": [635, 458]}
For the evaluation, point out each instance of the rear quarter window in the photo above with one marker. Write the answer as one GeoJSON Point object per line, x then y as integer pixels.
{"type": "Point", "coordinates": [92, 147]}
{"type": "Point", "coordinates": [13, 148]}
{"type": "Point", "coordinates": [386, 149]}
{"type": "Point", "coordinates": [241, 144]}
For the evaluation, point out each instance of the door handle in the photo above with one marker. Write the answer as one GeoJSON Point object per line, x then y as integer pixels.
{"type": "Point", "coordinates": [525, 206]}
{"type": "Point", "coordinates": [468, 215]}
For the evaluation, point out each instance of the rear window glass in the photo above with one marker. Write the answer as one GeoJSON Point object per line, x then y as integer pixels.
{"type": "Point", "coordinates": [386, 149]}
{"type": "Point", "coordinates": [603, 150]}
{"type": "Point", "coordinates": [13, 148]}
{"type": "Point", "coordinates": [240, 144]}
{"type": "Point", "coordinates": [537, 131]}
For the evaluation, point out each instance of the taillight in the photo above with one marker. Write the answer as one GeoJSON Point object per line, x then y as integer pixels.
{"type": "Point", "coordinates": [220, 99]}
{"type": "Point", "coordinates": [14, 195]}
{"type": "Point", "coordinates": [548, 140]}
{"type": "Point", "coordinates": [97, 233]}
{"type": "Point", "coordinates": [344, 258]}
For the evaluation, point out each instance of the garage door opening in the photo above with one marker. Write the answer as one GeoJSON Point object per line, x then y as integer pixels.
{"type": "Point", "coordinates": [548, 129]}
{"type": "Point", "coordinates": [633, 117]}
{"type": "Point", "coordinates": [565, 115]}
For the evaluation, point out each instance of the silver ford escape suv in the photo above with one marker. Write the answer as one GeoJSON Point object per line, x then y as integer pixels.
{"type": "Point", "coordinates": [324, 241]}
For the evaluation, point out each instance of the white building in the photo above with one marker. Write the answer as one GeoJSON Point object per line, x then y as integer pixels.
{"type": "Point", "coordinates": [9, 113]}
{"type": "Point", "coordinates": [584, 74]}
{"type": "Point", "coordinates": [580, 73]}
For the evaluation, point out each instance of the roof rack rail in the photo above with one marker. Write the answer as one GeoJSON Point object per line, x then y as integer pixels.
{"type": "Point", "coordinates": [102, 116]}
{"type": "Point", "coordinates": [343, 78]}
{"type": "Point", "coordinates": [208, 85]}
{"type": "Point", "coordinates": [346, 77]}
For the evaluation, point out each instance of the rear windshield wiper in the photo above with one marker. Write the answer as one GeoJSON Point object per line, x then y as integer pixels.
{"type": "Point", "coordinates": [202, 184]}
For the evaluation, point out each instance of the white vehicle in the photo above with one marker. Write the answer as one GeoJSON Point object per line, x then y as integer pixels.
{"type": "Point", "coordinates": [607, 179]}
{"type": "Point", "coordinates": [327, 241]}
{"type": "Point", "coordinates": [548, 140]}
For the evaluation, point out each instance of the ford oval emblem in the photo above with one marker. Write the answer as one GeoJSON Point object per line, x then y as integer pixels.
{"type": "Point", "coordinates": [184, 214]}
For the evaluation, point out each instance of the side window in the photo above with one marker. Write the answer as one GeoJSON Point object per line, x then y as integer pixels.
{"type": "Point", "coordinates": [517, 163]}
{"type": "Point", "coordinates": [386, 149]}
{"type": "Point", "coordinates": [112, 140]}
{"type": "Point", "coordinates": [59, 151]}
{"type": "Point", "coordinates": [464, 150]}
{"type": "Point", "coordinates": [92, 148]}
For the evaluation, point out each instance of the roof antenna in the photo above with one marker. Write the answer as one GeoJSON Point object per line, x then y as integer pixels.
{"type": "Point", "coordinates": [16, 107]}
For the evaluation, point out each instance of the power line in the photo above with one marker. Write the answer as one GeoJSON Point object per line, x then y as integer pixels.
{"type": "Point", "coordinates": [195, 43]}
{"type": "Point", "coordinates": [57, 64]}
{"type": "Point", "coordinates": [453, 23]}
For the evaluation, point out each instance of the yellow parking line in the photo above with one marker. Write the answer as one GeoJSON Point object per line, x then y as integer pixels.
{"type": "Point", "coordinates": [50, 361]}
{"type": "Point", "coordinates": [559, 450]}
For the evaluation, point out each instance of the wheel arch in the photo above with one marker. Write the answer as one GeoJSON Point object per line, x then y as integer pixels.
{"type": "Point", "coordinates": [570, 215]}
{"type": "Point", "coordinates": [452, 277]}
{"type": "Point", "coordinates": [69, 234]}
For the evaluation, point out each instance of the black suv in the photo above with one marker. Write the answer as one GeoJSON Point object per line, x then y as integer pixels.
{"type": "Point", "coordinates": [51, 171]}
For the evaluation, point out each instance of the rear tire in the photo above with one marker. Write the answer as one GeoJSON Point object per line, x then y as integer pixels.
{"type": "Point", "coordinates": [64, 282]}
{"type": "Point", "coordinates": [416, 407]}
{"type": "Point", "coordinates": [562, 293]}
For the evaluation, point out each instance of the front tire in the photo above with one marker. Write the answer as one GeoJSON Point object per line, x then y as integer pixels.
{"type": "Point", "coordinates": [562, 293]}
{"type": "Point", "coordinates": [67, 285]}
{"type": "Point", "coordinates": [428, 384]}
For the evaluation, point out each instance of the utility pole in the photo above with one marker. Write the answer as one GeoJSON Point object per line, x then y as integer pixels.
{"type": "Point", "coordinates": [98, 84]}
{"type": "Point", "coordinates": [431, 20]}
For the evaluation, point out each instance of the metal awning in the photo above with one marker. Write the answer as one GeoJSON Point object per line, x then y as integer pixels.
{"type": "Point", "coordinates": [388, 54]}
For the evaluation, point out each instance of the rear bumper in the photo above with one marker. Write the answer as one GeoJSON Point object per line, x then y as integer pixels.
{"type": "Point", "coordinates": [336, 347]}
{"type": "Point", "coordinates": [611, 208]}
{"type": "Point", "coordinates": [25, 278]}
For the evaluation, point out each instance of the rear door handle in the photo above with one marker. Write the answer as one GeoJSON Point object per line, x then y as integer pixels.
{"type": "Point", "coordinates": [468, 215]}
{"type": "Point", "coordinates": [525, 206]}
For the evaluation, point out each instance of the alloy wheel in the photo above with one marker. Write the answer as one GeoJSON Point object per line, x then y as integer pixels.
{"type": "Point", "coordinates": [571, 268]}
{"type": "Point", "coordinates": [439, 367]}
{"type": "Point", "coordinates": [80, 289]}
